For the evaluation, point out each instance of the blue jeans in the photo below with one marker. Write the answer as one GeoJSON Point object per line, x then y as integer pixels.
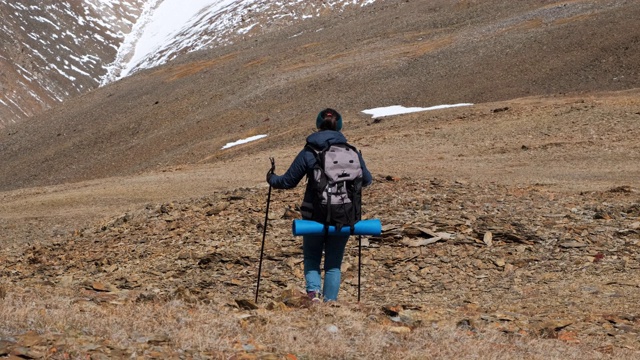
{"type": "Point", "coordinates": [312, 247]}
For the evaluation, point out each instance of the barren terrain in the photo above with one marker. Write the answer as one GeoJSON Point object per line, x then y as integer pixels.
{"type": "Point", "coordinates": [511, 228]}
{"type": "Point", "coordinates": [558, 197]}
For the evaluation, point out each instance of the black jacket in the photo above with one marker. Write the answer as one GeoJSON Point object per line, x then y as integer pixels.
{"type": "Point", "coordinates": [305, 161]}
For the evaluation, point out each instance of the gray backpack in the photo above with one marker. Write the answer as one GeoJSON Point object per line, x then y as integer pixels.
{"type": "Point", "coordinates": [337, 181]}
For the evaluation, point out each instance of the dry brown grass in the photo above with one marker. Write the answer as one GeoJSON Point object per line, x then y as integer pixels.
{"type": "Point", "coordinates": [347, 331]}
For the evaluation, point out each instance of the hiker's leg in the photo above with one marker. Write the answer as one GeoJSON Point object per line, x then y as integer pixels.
{"type": "Point", "coordinates": [312, 249]}
{"type": "Point", "coordinates": [334, 251]}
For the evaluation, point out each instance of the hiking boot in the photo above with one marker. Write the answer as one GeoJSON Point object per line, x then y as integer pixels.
{"type": "Point", "coordinates": [314, 296]}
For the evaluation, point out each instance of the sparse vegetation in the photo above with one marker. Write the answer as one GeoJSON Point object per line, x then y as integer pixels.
{"type": "Point", "coordinates": [68, 327]}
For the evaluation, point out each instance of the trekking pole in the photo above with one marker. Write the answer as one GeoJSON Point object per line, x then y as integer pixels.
{"type": "Point", "coordinates": [264, 228]}
{"type": "Point", "coordinates": [359, 263]}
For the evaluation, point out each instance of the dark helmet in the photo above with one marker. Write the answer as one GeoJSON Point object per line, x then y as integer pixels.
{"type": "Point", "coordinates": [328, 113]}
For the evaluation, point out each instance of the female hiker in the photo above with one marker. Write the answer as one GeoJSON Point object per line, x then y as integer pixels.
{"type": "Point", "coordinates": [329, 124]}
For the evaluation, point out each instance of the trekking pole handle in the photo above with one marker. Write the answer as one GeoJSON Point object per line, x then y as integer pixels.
{"type": "Point", "coordinates": [273, 165]}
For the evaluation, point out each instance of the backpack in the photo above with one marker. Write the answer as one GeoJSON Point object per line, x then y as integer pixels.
{"type": "Point", "coordinates": [337, 182]}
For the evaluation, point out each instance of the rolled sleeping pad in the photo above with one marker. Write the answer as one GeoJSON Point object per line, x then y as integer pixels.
{"type": "Point", "coordinates": [362, 227]}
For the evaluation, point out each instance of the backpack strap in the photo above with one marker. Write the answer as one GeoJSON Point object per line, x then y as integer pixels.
{"type": "Point", "coordinates": [318, 150]}
{"type": "Point", "coordinates": [315, 151]}
{"type": "Point", "coordinates": [314, 148]}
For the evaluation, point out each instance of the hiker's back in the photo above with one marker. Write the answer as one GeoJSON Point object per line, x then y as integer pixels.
{"type": "Point", "coordinates": [337, 184]}
{"type": "Point", "coordinates": [336, 174]}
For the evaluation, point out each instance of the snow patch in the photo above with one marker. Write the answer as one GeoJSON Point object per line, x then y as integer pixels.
{"type": "Point", "coordinates": [398, 109]}
{"type": "Point", "coordinates": [243, 141]}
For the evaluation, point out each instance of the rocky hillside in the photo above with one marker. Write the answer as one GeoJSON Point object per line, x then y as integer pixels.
{"type": "Point", "coordinates": [524, 261]}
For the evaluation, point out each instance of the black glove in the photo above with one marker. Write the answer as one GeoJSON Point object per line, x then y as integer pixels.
{"type": "Point", "coordinates": [271, 171]}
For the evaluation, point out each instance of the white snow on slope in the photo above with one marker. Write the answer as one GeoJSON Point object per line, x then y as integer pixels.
{"type": "Point", "coordinates": [375, 112]}
{"type": "Point", "coordinates": [398, 109]}
{"type": "Point", "coordinates": [168, 28]}
{"type": "Point", "coordinates": [165, 21]}
{"type": "Point", "coordinates": [159, 26]}
{"type": "Point", "coordinates": [243, 141]}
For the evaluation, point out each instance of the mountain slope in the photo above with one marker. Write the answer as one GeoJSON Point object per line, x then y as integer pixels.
{"type": "Point", "coordinates": [174, 28]}
{"type": "Point", "coordinates": [55, 50]}
{"type": "Point", "coordinates": [431, 53]}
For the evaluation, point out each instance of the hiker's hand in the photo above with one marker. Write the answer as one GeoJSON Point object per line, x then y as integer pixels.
{"type": "Point", "coordinates": [273, 165]}
{"type": "Point", "coordinates": [272, 170]}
